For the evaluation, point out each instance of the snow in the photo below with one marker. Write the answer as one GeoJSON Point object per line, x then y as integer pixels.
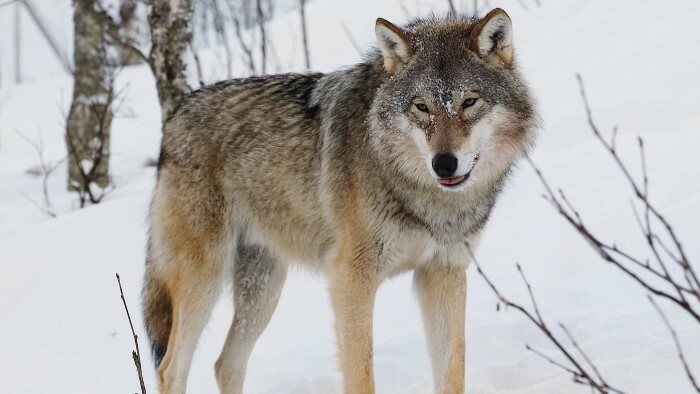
{"type": "Point", "coordinates": [62, 324]}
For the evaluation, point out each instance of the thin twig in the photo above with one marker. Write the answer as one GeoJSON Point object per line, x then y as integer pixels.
{"type": "Point", "coordinates": [642, 194]}
{"type": "Point", "coordinates": [451, 5]}
{"type": "Point", "coordinates": [263, 36]}
{"type": "Point", "coordinates": [681, 356]}
{"type": "Point", "coordinates": [529, 290]}
{"type": "Point", "coordinates": [607, 252]}
{"type": "Point", "coordinates": [580, 350]}
{"type": "Point", "coordinates": [634, 267]}
{"type": "Point", "coordinates": [351, 38]}
{"type": "Point", "coordinates": [522, 3]}
{"type": "Point", "coordinates": [8, 2]}
{"type": "Point", "coordinates": [198, 65]}
{"type": "Point", "coordinates": [136, 355]}
{"type": "Point", "coordinates": [579, 374]}
{"type": "Point", "coordinates": [38, 206]}
{"type": "Point", "coordinates": [47, 168]}
{"type": "Point", "coordinates": [406, 13]}
{"type": "Point", "coordinates": [553, 362]}
{"type": "Point", "coordinates": [683, 260]}
{"type": "Point", "coordinates": [115, 36]}
{"type": "Point", "coordinates": [247, 51]}
{"type": "Point", "coordinates": [304, 38]}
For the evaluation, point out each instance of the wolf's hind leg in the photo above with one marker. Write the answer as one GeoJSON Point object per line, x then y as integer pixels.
{"type": "Point", "coordinates": [194, 294]}
{"type": "Point", "coordinates": [189, 250]}
{"type": "Point", "coordinates": [257, 285]}
{"type": "Point", "coordinates": [442, 293]}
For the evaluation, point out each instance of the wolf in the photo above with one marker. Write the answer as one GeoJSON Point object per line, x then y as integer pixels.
{"type": "Point", "coordinates": [388, 166]}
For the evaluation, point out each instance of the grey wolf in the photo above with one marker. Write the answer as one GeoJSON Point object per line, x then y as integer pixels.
{"type": "Point", "coordinates": [391, 165]}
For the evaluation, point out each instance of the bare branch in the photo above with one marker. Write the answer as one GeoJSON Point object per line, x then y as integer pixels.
{"type": "Point", "coordinates": [263, 36]}
{"type": "Point", "coordinates": [522, 3]}
{"type": "Point", "coordinates": [579, 374]}
{"type": "Point", "coordinates": [248, 59]}
{"type": "Point", "coordinates": [406, 13]}
{"type": "Point", "coordinates": [38, 206]}
{"type": "Point", "coordinates": [304, 39]}
{"type": "Point", "coordinates": [580, 350]}
{"type": "Point", "coordinates": [451, 5]}
{"type": "Point", "coordinates": [47, 168]}
{"type": "Point", "coordinates": [136, 354]}
{"type": "Point", "coordinates": [683, 260]}
{"type": "Point", "coordinates": [8, 2]}
{"type": "Point", "coordinates": [351, 38]}
{"type": "Point", "coordinates": [529, 290]}
{"type": "Point", "coordinates": [681, 356]}
{"type": "Point", "coordinates": [557, 364]}
{"type": "Point", "coordinates": [608, 252]}
{"type": "Point", "coordinates": [198, 66]}
{"type": "Point", "coordinates": [668, 258]}
{"type": "Point", "coordinates": [115, 36]}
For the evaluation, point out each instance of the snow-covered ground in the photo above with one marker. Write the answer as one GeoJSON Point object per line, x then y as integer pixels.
{"type": "Point", "coordinates": [62, 325]}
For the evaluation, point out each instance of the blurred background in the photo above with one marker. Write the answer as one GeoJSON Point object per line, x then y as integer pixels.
{"type": "Point", "coordinates": [85, 85]}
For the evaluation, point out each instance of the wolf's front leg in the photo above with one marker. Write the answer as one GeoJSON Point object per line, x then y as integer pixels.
{"type": "Point", "coordinates": [353, 285]}
{"type": "Point", "coordinates": [442, 294]}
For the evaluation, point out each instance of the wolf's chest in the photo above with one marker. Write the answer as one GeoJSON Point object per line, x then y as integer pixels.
{"type": "Point", "coordinates": [408, 249]}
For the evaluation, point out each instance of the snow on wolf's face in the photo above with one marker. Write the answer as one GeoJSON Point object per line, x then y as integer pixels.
{"type": "Point", "coordinates": [454, 110]}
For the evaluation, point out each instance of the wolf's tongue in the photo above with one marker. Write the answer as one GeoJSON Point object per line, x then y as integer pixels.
{"type": "Point", "coordinates": [451, 181]}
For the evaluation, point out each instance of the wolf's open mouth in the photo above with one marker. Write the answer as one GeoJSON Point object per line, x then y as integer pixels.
{"type": "Point", "coordinates": [458, 180]}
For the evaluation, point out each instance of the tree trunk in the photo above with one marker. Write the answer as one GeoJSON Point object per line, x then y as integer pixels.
{"type": "Point", "coordinates": [89, 120]}
{"type": "Point", "coordinates": [171, 35]}
{"type": "Point", "coordinates": [129, 29]}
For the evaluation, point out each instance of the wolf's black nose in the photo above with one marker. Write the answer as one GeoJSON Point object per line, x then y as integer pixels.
{"type": "Point", "coordinates": [445, 165]}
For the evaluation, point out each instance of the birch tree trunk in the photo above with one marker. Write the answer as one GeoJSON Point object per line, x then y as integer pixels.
{"type": "Point", "coordinates": [171, 35]}
{"type": "Point", "coordinates": [89, 120]}
{"type": "Point", "coordinates": [129, 29]}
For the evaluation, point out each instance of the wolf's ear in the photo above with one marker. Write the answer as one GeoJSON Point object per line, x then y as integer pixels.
{"type": "Point", "coordinates": [493, 36]}
{"type": "Point", "coordinates": [394, 44]}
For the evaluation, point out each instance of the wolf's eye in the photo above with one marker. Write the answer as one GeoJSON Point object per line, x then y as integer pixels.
{"type": "Point", "coordinates": [422, 107]}
{"type": "Point", "coordinates": [469, 102]}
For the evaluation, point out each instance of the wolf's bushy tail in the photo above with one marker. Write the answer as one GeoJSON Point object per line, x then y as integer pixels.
{"type": "Point", "coordinates": [157, 313]}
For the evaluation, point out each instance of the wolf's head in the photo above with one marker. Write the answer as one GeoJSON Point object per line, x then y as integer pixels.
{"type": "Point", "coordinates": [454, 109]}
